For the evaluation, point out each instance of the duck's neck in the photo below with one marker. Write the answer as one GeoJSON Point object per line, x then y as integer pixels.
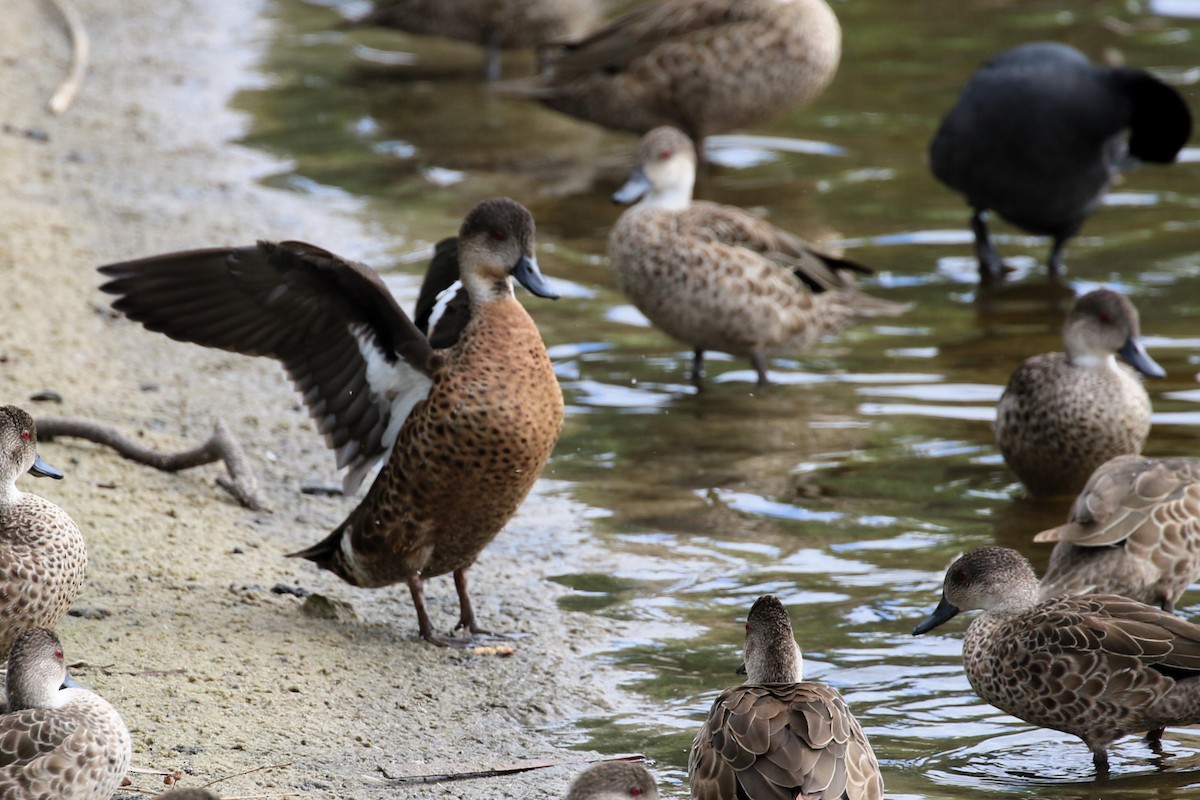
{"type": "Point", "coordinates": [671, 198]}
{"type": "Point", "coordinates": [483, 289]}
{"type": "Point", "coordinates": [9, 493]}
{"type": "Point", "coordinates": [780, 662]}
{"type": "Point", "coordinates": [1093, 360]}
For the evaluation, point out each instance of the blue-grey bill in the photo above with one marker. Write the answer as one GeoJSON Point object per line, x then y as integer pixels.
{"type": "Point", "coordinates": [1135, 353]}
{"type": "Point", "coordinates": [529, 276]}
{"type": "Point", "coordinates": [637, 185]}
{"type": "Point", "coordinates": [41, 469]}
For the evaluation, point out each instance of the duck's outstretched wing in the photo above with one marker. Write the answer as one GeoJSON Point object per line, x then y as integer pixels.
{"type": "Point", "coordinates": [359, 362]}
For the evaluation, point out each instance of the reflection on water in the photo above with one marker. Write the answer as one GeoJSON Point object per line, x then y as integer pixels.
{"type": "Point", "coordinates": [849, 486]}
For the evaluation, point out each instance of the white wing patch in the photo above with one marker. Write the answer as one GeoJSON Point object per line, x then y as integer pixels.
{"type": "Point", "coordinates": [444, 298]}
{"type": "Point", "coordinates": [398, 387]}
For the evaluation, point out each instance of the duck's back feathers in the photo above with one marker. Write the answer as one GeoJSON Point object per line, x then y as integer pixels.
{"type": "Point", "coordinates": [356, 358]}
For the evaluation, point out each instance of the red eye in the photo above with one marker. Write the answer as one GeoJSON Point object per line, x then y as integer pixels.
{"type": "Point", "coordinates": [498, 235]}
{"type": "Point", "coordinates": [58, 654]}
{"type": "Point", "coordinates": [664, 154]}
{"type": "Point", "coordinates": [960, 575]}
{"type": "Point", "coordinates": [747, 626]}
{"type": "Point", "coordinates": [635, 791]}
{"type": "Point", "coordinates": [25, 435]}
{"type": "Point", "coordinates": [1106, 319]}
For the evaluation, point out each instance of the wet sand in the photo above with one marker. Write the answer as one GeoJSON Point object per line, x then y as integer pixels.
{"type": "Point", "coordinates": [177, 624]}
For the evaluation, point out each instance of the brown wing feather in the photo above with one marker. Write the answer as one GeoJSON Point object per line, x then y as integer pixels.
{"type": "Point", "coordinates": [32, 733]}
{"type": "Point", "coordinates": [299, 304]}
{"type": "Point", "coordinates": [783, 741]}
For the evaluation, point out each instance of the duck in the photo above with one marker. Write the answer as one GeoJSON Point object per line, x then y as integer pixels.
{"type": "Point", "coordinates": [42, 551]}
{"type": "Point", "coordinates": [1134, 530]}
{"type": "Point", "coordinates": [614, 780]}
{"type": "Point", "coordinates": [777, 735]}
{"type": "Point", "coordinates": [1038, 134]}
{"type": "Point", "coordinates": [465, 431]}
{"type": "Point", "coordinates": [705, 66]}
{"type": "Point", "coordinates": [1062, 415]}
{"type": "Point", "coordinates": [494, 24]}
{"type": "Point", "coordinates": [57, 739]}
{"type": "Point", "coordinates": [716, 277]}
{"type": "Point", "coordinates": [1096, 666]}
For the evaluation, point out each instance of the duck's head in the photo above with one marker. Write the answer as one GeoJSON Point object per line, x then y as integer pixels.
{"type": "Point", "coordinates": [496, 242]}
{"type": "Point", "coordinates": [18, 447]}
{"type": "Point", "coordinates": [36, 670]}
{"type": "Point", "coordinates": [1103, 323]}
{"type": "Point", "coordinates": [665, 172]}
{"type": "Point", "coordinates": [613, 780]}
{"type": "Point", "coordinates": [771, 654]}
{"type": "Point", "coordinates": [989, 578]}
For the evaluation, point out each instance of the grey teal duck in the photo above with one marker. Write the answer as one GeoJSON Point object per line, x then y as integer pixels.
{"type": "Point", "coordinates": [705, 66]}
{"type": "Point", "coordinates": [1097, 666]}
{"type": "Point", "coordinates": [614, 780]}
{"type": "Point", "coordinates": [43, 558]}
{"type": "Point", "coordinates": [719, 278]}
{"type": "Point", "coordinates": [778, 737]}
{"type": "Point", "coordinates": [469, 428]}
{"type": "Point", "coordinates": [1134, 530]}
{"type": "Point", "coordinates": [1038, 134]}
{"type": "Point", "coordinates": [57, 740]}
{"type": "Point", "coordinates": [1062, 415]}
{"type": "Point", "coordinates": [495, 24]}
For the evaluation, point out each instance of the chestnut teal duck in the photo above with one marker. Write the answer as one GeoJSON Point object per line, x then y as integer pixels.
{"type": "Point", "coordinates": [705, 66]}
{"type": "Point", "coordinates": [778, 737]}
{"type": "Point", "coordinates": [1062, 415]}
{"type": "Point", "coordinates": [716, 277]}
{"type": "Point", "coordinates": [495, 24]}
{"type": "Point", "coordinates": [614, 780]}
{"type": "Point", "coordinates": [1133, 531]}
{"type": "Point", "coordinates": [43, 558]}
{"type": "Point", "coordinates": [1038, 134]}
{"type": "Point", "coordinates": [466, 431]}
{"type": "Point", "coordinates": [1097, 666]}
{"type": "Point", "coordinates": [58, 740]}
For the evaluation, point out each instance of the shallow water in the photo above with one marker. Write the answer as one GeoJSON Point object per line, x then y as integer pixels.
{"type": "Point", "coordinates": [847, 487]}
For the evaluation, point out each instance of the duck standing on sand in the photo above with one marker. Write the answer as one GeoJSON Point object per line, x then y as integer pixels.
{"type": "Point", "coordinates": [1062, 415]}
{"type": "Point", "coordinates": [719, 278]}
{"type": "Point", "coordinates": [1097, 666]}
{"type": "Point", "coordinates": [778, 737]}
{"type": "Point", "coordinates": [466, 430]}
{"type": "Point", "coordinates": [58, 740]}
{"type": "Point", "coordinates": [705, 66]}
{"type": "Point", "coordinates": [1134, 530]}
{"type": "Point", "coordinates": [1039, 133]}
{"type": "Point", "coordinates": [43, 558]}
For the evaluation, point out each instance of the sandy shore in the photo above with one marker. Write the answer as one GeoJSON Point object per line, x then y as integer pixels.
{"type": "Point", "coordinates": [214, 673]}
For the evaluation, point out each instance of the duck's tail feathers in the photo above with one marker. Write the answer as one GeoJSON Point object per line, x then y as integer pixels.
{"type": "Point", "coordinates": [329, 554]}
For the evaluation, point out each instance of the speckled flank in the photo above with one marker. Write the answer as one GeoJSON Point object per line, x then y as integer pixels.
{"type": "Point", "coordinates": [509, 24]}
{"type": "Point", "coordinates": [1097, 666]}
{"type": "Point", "coordinates": [72, 746]}
{"type": "Point", "coordinates": [1063, 415]}
{"type": "Point", "coordinates": [43, 557]}
{"type": "Point", "coordinates": [1133, 531]}
{"type": "Point", "coordinates": [705, 66]}
{"type": "Point", "coordinates": [467, 456]}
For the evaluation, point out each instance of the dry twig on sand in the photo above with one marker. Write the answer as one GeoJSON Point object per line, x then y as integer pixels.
{"type": "Point", "coordinates": [222, 446]}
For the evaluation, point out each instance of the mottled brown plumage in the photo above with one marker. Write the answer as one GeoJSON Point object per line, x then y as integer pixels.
{"type": "Point", "coordinates": [614, 780]}
{"type": "Point", "coordinates": [777, 737]}
{"type": "Point", "coordinates": [472, 425]}
{"type": "Point", "coordinates": [719, 278]}
{"type": "Point", "coordinates": [43, 558]}
{"type": "Point", "coordinates": [61, 743]}
{"type": "Point", "coordinates": [1097, 666]}
{"type": "Point", "coordinates": [1062, 415]}
{"type": "Point", "coordinates": [494, 24]}
{"type": "Point", "coordinates": [1133, 531]}
{"type": "Point", "coordinates": [705, 66]}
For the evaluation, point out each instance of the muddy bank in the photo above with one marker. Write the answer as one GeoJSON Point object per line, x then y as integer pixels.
{"type": "Point", "coordinates": [177, 624]}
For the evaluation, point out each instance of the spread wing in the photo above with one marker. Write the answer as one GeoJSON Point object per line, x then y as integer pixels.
{"type": "Point", "coordinates": [359, 362]}
{"type": "Point", "coordinates": [783, 741]}
{"type": "Point", "coordinates": [1120, 496]}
